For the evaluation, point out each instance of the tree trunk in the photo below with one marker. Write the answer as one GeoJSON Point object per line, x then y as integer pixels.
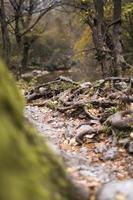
{"type": "Point", "coordinates": [118, 57]}
{"type": "Point", "coordinates": [29, 170]}
{"type": "Point", "coordinates": [5, 34]}
{"type": "Point", "coordinates": [102, 51]}
{"type": "Point", "coordinates": [25, 56]}
{"type": "Point", "coordinates": [109, 50]}
{"type": "Point", "coordinates": [24, 42]}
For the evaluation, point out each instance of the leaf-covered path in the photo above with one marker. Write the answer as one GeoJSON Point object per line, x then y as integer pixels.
{"type": "Point", "coordinates": [96, 162]}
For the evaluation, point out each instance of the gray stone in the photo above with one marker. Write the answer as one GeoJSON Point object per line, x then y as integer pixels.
{"type": "Point", "coordinates": [116, 190]}
{"type": "Point", "coordinates": [85, 85]}
{"type": "Point", "coordinates": [69, 131]}
{"type": "Point", "coordinates": [130, 148]}
{"type": "Point", "coordinates": [110, 154]}
{"type": "Point", "coordinates": [84, 129]}
{"type": "Point", "coordinates": [100, 149]}
{"type": "Point", "coordinates": [124, 142]}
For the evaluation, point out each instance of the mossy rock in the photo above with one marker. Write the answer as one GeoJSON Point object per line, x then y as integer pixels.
{"type": "Point", "coordinates": [29, 170]}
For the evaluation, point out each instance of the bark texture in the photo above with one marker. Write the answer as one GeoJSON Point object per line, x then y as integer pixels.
{"type": "Point", "coordinates": [28, 168]}
{"type": "Point", "coordinates": [108, 43]}
{"type": "Point", "coordinates": [5, 34]}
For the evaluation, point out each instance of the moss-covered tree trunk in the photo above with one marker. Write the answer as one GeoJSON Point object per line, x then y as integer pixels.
{"type": "Point", "coordinates": [29, 170]}
{"type": "Point", "coordinates": [5, 34]}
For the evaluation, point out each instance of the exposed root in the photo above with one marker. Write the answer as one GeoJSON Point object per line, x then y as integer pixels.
{"type": "Point", "coordinates": [108, 102]}
{"type": "Point", "coordinates": [50, 89]}
{"type": "Point", "coordinates": [88, 131]}
{"type": "Point", "coordinates": [121, 120]}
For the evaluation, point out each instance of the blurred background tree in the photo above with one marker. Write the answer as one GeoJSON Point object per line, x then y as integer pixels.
{"type": "Point", "coordinates": [57, 35]}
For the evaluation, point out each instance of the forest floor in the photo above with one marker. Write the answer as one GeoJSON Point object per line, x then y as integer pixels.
{"type": "Point", "coordinates": [91, 161]}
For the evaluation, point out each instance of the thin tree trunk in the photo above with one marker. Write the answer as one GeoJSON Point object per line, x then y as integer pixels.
{"type": "Point", "coordinates": [118, 57]}
{"type": "Point", "coordinates": [109, 50]}
{"type": "Point", "coordinates": [5, 34]}
{"type": "Point", "coordinates": [25, 56]}
{"type": "Point", "coordinates": [103, 52]}
{"type": "Point", "coordinates": [23, 41]}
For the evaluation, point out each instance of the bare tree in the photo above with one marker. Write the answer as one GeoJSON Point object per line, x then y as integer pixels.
{"type": "Point", "coordinates": [120, 62]}
{"type": "Point", "coordinates": [108, 46]}
{"type": "Point", "coordinates": [23, 19]}
{"type": "Point", "coordinates": [107, 40]}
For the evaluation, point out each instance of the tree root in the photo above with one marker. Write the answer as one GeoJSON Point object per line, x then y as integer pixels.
{"type": "Point", "coordinates": [120, 121]}
{"type": "Point", "coordinates": [103, 98]}
{"type": "Point", "coordinates": [88, 131]}
{"type": "Point", "coordinates": [89, 114]}
{"type": "Point", "coordinates": [50, 89]}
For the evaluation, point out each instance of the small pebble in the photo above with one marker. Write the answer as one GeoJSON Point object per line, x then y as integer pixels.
{"type": "Point", "coordinates": [131, 135]}
{"type": "Point", "coordinates": [130, 148]}
{"type": "Point", "coordinates": [100, 149]}
{"type": "Point", "coordinates": [110, 154]}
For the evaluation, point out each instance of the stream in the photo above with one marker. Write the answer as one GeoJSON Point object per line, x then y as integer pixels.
{"type": "Point", "coordinates": [75, 73]}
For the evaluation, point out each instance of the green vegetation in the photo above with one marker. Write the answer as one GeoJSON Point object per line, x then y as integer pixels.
{"type": "Point", "coordinates": [58, 39]}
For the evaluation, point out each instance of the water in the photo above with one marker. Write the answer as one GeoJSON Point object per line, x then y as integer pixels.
{"type": "Point", "coordinates": [74, 74]}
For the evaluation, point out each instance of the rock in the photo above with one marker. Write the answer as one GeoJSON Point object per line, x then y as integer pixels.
{"type": "Point", "coordinates": [110, 154]}
{"type": "Point", "coordinates": [84, 150]}
{"type": "Point", "coordinates": [50, 121]}
{"type": "Point", "coordinates": [42, 90]}
{"type": "Point", "coordinates": [36, 72]}
{"type": "Point", "coordinates": [55, 114]}
{"type": "Point", "coordinates": [121, 85]}
{"type": "Point", "coordinates": [130, 148]}
{"type": "Point", "coordinates": [86, 85]}
{"type": "Point", "coordinates": [84, 129]}
{"type": "Point", "coordinates": [100, 149]}
{"type": "Point", "coordinates": [58, 125]}
{"type": "Point", "coordinates": [124, 142]}
{"type": "Point", "coordinates": [39, 72]}
{"type": "Point", "coordinates": [69, 131]}
{"type": "Point", "coordinates": [73, 142]}
{"type": "Point", "coordinates": [116, 190]}
{"type": "Point", "coordinates": [27, 76]}
{"type": "Point", "coordinates": [131, 135]}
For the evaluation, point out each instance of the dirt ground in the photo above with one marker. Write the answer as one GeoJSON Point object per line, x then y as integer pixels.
{"type": "Point", "coordinates": [97, 161]}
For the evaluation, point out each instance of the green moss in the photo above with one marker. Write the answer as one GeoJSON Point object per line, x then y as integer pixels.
{"type": "Point", "coordinates": [52, 104]}
{"type": "Point", "coordinates": [62, 86]}
{"type": "Point", "coordinates": [90, 106]}
{"type": "Point", "coordinates": [28, 169]}
{"type": "Point", "coordinates": [122, 133]}
{"type": "Point", "coordinates": [106, 130]}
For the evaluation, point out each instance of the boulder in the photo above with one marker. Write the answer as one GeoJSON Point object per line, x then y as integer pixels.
{"type": "Point", "coordinates": [117, 190]}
